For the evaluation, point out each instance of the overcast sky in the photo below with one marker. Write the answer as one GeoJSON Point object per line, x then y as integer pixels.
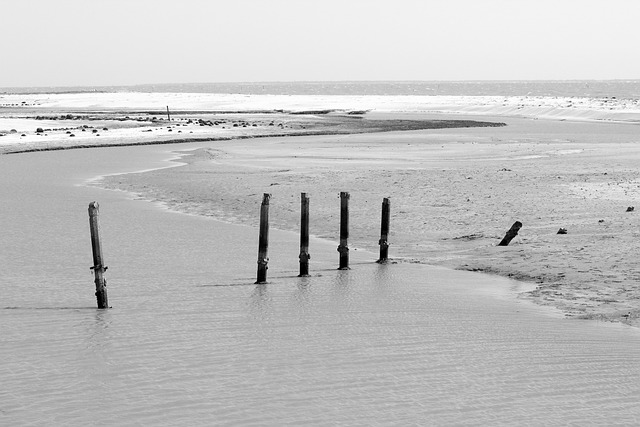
{"type": "Point", "coordinates": [115, 42]}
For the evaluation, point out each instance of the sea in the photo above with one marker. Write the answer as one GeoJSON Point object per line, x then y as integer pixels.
{"type": "Point", "coordinates": [623, 89]}
{"type": "Point", "coordinates": [190, 339]}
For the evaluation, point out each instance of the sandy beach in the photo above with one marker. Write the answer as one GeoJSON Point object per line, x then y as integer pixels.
{"type": "Point", "coordinates": [558, 163]}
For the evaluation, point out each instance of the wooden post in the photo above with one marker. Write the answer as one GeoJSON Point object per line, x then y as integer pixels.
{"type": "Point", "coordinates": [263, 242]}
{"type": "Point", "coordinates": [384, 231]}
{"type": "Point", "coordinates": [513, 232]}
{"type": "Point", "coordinates": [98, 264]}
{"type": "Point", "coordinates": [344, 231]}
{"type": "Point", "coordinates": [304, 235]}
{"type": "Point", "coordinates": [168, 115]}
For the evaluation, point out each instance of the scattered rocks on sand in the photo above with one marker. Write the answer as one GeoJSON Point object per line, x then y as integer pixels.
{"type": "Point", "coordinates": [630, 209]}
{"type": "Point", "coordinates": [562, 231]}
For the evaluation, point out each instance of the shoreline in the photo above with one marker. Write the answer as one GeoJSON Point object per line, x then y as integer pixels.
{"type": "Point", "coordinates": [507, 288]}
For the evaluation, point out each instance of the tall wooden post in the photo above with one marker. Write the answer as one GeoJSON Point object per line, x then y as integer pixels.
{"type": "Point", "coordinates": [304, 235]}
{"type": "Point", "coordinates": [98, 264]}
{"type": "Point", "coordinates": [344, 231]}
{"type": "Point", "coordinates": [168, 115]}
{"type": "Point", "coordinates": [263, 242]}
{"type": "Point", "coordinates": [384, 231]}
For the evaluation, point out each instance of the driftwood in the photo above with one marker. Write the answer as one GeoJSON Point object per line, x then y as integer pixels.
{"type": "Point", "coordinates": [513, 232]}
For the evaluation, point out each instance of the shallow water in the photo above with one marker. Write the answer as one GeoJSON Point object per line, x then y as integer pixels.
{"type": "Point", "coordinates": [191, 340]}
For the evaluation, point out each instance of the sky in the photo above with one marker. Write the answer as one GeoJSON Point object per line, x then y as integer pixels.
{"type": "Point", "coordinates": [126, 42]}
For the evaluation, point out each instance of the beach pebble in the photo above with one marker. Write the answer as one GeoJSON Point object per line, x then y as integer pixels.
{"type": "Point", "coordinates": [562, 231]}
{"type": "Point", "coordinates": [630, 209]}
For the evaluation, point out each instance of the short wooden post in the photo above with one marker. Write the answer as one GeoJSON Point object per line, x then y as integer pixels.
{"type": "Point", "coordinates": [513, 232]}
{"type": "Point", "coordinates": [304, 235]}
{"type": "Point", "coordinates": [98, 264]}
{"type": "Point", "coordinates": [168, 115]}
{"type": "Point", "coordinates": [263, 242]}
{"type": "Point", "coordinates": [344, 231]}
{"type": "Point", "coordinates": [384, 231]}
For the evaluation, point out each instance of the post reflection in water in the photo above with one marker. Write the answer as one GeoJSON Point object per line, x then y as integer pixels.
{"type": "Point", "coordinates": [302, 296]}
{"type": "Point", "coordinates": [260, 304]}
{"type": "Point", "coordinates": [97, 330]}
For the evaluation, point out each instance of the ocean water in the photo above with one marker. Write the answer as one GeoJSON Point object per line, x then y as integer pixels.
{"type": "Point", "coordinates": [190, 340]}
{"type": "Point", "coordinates": [629, 89]}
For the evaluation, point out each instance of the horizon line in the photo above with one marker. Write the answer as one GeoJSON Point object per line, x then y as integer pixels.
{"type": "Point", "coordinates": [267, 82]}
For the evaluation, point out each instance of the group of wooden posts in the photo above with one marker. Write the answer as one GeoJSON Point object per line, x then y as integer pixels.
{"type": "Point", "coordinates": [263, 242]}
{"type": "Point", "coordinates": [343, 248]}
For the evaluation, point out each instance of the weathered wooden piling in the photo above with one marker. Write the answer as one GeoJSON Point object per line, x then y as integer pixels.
{"type": "Point", "coordinates": [344, 231]}
{"type": "Point", "coordinates": [168, 114]}
{"type": "Point", "coordinates": [304, 235]}
{"type": "Point", "coordinates": [513, 232]}
{"type": "Point", "coordinates": [263, 242]}
{"type": "Point", "coordinates": [384, 231]}
{"type": "Point", "coordinates": [98, 263]}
